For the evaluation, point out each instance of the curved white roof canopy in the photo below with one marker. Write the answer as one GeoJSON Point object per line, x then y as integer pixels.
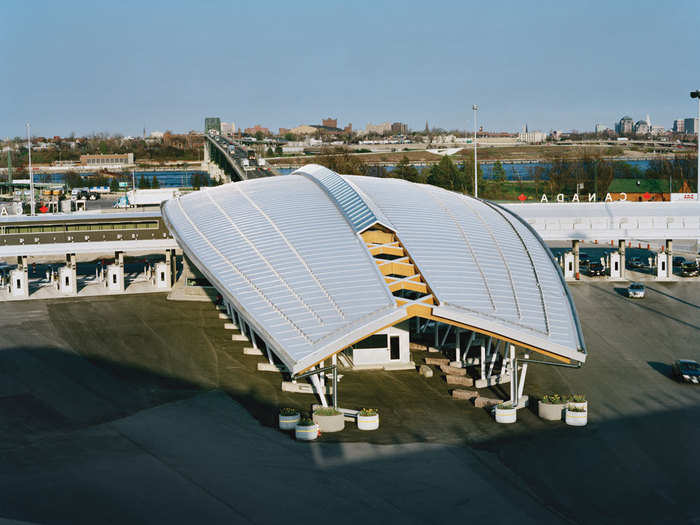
{"type": "Point", "coordinates": [288, 253]}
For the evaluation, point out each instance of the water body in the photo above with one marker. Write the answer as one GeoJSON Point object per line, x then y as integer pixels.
{"type": "Point", "coordinates": [166, 179]}
{"type": "Point", "coordinates": [514, 171]}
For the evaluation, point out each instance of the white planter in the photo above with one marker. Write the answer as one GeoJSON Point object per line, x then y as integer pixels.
{"type": "Point", "coordinates": [582, 404]}
{"type": "Point", "coordinates": [550, 411]}
{"type": "Point", "coordinates": [334, 423]}
{"type": "Point", "coordinates": [306, 432]}
{"type": "Point", "coordinates": [368, 422]}
{"type": "Point", "coordinates": [506, 415]}
{"type": "Point", "coordinates": [576, 419]}
{"type": "Point", "coordinates": [289, 422]}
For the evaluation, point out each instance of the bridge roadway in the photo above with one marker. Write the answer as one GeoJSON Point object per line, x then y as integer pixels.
{"type": "Point", "coordinates": [235, 170]}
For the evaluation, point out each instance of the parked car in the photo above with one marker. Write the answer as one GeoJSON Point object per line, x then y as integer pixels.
{"type": "Point", "coordinates": [690, 269]}
{"type": "Point", "coordinates": [636, 291]}
{"type": "Point", "coordinates": [583, 259]}
{"type": "Point", "coordinates": [595, 268]}
{"type": "Point", "coordinates": [686, 371]}
{"type": "Point", "coordinates": [636, 262]}
{"type": "Point", "coordinates": [678, 261]}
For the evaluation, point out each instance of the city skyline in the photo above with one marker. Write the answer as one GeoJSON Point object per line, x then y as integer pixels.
{"type": "Point", "coordinates": [146, 66]}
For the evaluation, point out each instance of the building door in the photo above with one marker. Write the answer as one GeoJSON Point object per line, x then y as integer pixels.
{"type": "Point", "coordinates": [394, 348]}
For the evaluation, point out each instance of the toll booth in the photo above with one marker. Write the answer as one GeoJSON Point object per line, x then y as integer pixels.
{"type": "Point", "coordinates": [115, 278]}
{"type": "Point", "coordinates": [161, 275]}
{"type": "Point", "coordinates": [569, 272]}
{"type": "Point", "coordinates": [662, 267]}
{"type": "Point", "coordinates": [615, 265]}
{"type": "Point", "coordinates": [19, 282]}
{"type": "Point", "coordinates": [66, 281]}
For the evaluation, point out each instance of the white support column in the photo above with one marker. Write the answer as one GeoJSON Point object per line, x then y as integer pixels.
{"type": "Point", "coordinates": [513, 374]}
{"type": "Point", "coordinates": [316, 382]}
{"type": "Point", "coordinates": [493, 359]}
{"type": "Point", "coordinates": [269, 354]}
{"type": "Point", "coordinates": [482, 362]}
{"type": "Point", "coordinates": [458, 348]}
{"type": "Point", "coordinates": [521, 386]}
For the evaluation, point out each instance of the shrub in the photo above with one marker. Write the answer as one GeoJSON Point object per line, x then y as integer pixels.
{"type": "Point", "coordinates": [552, 399]}
{"type": "Point", "coordinates": [369, 412]}
{"type": "Point", "coordinates": [326, 411]}
{"type": "Point", "coordinates": [507, 405]}
{"type": "Point", "coordinates": [576, 409]}
{"type": "Point", "coordinates": [286, 411]}
{"type": "Point", "coordinates": [577, 398]}
{"type": "Point", "coordinates": [305, 421]}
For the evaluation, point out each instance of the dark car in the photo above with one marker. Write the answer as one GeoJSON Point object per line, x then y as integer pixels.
{"type": "Point", "coordinates": [686, 371]}
{"type": "Point", "coordinates": [690, 269]}
{"type": "Point", "coordinates": [584, 259]}
{"type": "Point", "coordinates": [678, 261]}
{"type": "Point", "coordinates": [636, 262]}
{"type": "Point", "coordinates": [595, 268]}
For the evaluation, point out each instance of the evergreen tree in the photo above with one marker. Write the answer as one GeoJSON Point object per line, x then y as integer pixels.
{"type": "Point", "coordinates": [155, 183]}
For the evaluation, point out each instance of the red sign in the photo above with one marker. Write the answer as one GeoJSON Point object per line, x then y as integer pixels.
{"type": "Point", "coordinates": [646, 196]}
{"type": "Point", "coordinates": [43, 209]}
{"type": "Point", "coordinates": [521, 197]}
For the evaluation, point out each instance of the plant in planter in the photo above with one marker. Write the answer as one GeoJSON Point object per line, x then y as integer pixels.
{"type": "Point", "coordinates": [578, 401]}
{"type": "Point", "coordinates": [506, 413]}
{"type": "Point", "coordinates": [576, 417]}
{"type": "Point", "coordinates": [550, 407]}
{"type": "Point", "coordinates": [306, 429]}
{"type": "Point", "coordinates": [329, 419]}
{"type": "Point", "coordinates": [368, 419]}
{"type": "Point", "coordinates": [288, 418]}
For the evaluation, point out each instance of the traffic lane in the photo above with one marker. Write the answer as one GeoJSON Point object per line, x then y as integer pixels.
{"type": "Point", "coordinates": [631, 344]}
{"type": "Point", "coordinates": [636, 460]}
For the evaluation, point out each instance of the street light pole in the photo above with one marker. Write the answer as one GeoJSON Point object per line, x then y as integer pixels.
{"type": "Point", "coordinates": [31, 174]}
{"type": "Point", "coordinates": [476, 169]}
{"type": "Point", "coordinates": [696, 94]}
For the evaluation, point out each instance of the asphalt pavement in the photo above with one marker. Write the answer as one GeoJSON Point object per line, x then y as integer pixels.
{"type": "Point", "coordinates": [138, 409]}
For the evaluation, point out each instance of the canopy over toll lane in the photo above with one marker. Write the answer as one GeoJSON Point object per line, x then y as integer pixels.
{"type": "Point", "coordinates": [315, 261]}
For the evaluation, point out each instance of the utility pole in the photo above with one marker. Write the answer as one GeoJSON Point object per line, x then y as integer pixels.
{"type": "Point", "coordinates": [476, 168]}
{"type": "Point", "coordinates": [9, 170]}
{"type": "Point", "coordinates": [696, 94]}
{"type": "Point", "coordinates": [31, 174]}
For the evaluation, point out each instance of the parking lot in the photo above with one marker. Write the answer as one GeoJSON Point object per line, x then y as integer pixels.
{"type": "Point", "coordinates": [119, 409]}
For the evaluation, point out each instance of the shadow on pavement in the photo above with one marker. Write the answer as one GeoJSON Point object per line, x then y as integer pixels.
{"type": "Point", "coordinates": [662, 368]}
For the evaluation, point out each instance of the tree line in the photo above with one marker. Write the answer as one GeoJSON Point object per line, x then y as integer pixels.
{"type": "Point", "coordinates": [589, 174]}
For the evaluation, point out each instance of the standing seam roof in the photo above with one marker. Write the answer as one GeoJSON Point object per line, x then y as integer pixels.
{"type": "Point", "coordinates": [286, 252]}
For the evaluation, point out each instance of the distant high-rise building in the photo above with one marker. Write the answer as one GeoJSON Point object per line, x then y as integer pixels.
{"type": "Point", "coordinates": [255, 129]}
{"type": "Point", "coordinates": [399, 128]}
{"type": "Point", "coordinates": [625, 126]}
{"type": "Point", "coordinates": [427, 129]}
{"type": "Point", "coordinates": [690, 126]}
{"type": "Point", "coordinates": [679, 125]}
{"type": "Point", "coordinates": [601, 128]}
{"type": "Point", "coordinates": [380, 129]}
{"type": "Point", "coordinates": [228, 128]}
{"type": "Point", "coordinates": [212, 123]}
{"type": "Point", "coordinates": [641, 128]}
{"type": "Point", "coordinates": [330, 122]}
{"type": "Point", "coordinates": [348, 128]}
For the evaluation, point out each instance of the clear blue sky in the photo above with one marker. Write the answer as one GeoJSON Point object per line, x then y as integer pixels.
{"type": "Point", "coordinates": [119, 66]}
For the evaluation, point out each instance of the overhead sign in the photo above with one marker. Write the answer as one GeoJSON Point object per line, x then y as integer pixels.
{"type": "Point", "coordinates": [592, 197]}
{"type": "Point", "coordinates": [123, 184]}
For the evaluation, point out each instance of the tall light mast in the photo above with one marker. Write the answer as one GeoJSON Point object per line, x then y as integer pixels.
{"type": "Point", "coordinates": [476, 169]}
{"type": "Point", "coordinates": [31, 174]}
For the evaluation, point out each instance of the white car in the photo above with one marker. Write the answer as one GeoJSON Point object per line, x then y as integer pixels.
{"type": "Point", "coordinates": [636, 291]}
